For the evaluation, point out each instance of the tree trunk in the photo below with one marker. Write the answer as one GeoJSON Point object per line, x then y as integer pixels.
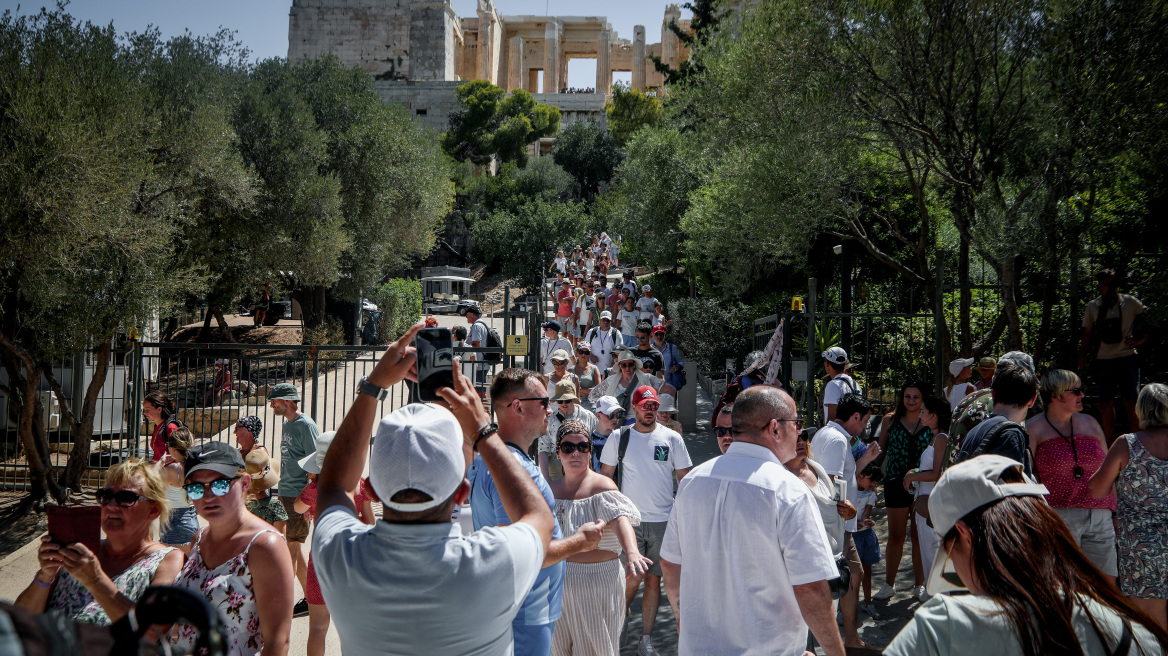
{"type": "Point", "coordinates": [1048, 298]}
{"type": "Point", "coordinates": [312, 311]}
{"type": "Point", "coordinates": [1007, 279]}
{"type": "Point", "coordinates": [227, 336]}
{"type": "Point", "coordinates": [34, 439]}
{"type": "Point", "coordinates": [82, 426]}
{"type": "Point", "coordinates": [205, 331]}
{"type": "Point", "coordinates": [965, 298]}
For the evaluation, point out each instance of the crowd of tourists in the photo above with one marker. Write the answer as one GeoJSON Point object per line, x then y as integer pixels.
{"type": "Point", "coordinates": [1034, 529]}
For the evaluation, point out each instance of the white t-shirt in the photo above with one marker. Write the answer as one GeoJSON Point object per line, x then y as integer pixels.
{"type": "Point", "coordinates": [478, 333]}
{"type": "Point", "coordinates": [745, 531]}
{"type": "Point", "coordinates": [864, 498]}
{"type": "Point", "coordinates": [973, 624]}
{"type": "Point", "coordinates": [648, 469]}
{"type": "Point", "coordinates": [561, 264]}
{"type": "Point", "coordinates": [1131, 307]}
{"type": "Point", "coordinates": [629, 319]}
{"type": "Point", "coordinates": [604, 344]}
{"type": "Point", "coordinates": [646, 305]}
{"type": "Point", "coordinates": [549, 346]}
{"type": "Point", "coordinates": [836, 389]}
{"type": "Point", "coordinates": [393, 588]}
{"type": "Point", "coordinates": [831, 448]}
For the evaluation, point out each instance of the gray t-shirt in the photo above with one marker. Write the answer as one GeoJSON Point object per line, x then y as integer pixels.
{"type": "Point", "coordinates": [478, 333]}
{"type": "Point", "coordinates": [299, 440]}
{"type": "Point", "coordinates": [423, 588]}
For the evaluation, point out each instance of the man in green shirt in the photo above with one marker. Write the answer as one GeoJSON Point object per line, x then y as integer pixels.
{"type": "Point", "coordinates": [300, 433]}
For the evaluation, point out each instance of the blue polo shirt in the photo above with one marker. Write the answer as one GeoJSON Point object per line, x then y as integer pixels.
{"type": "Point", "coordinates": [542, 605]}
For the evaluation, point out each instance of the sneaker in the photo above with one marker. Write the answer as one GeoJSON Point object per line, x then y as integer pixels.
{"type": "Point", "coordinates": [885, 592]}
{"type": "Point", "coordinates": [919, 592]}
{"type": "Point", "coordinates": [870, 609]}
{"type": "Point", "coordinates": [645, 647]}
{"type": "Point", "coordinates": [923, 595]}
{"type": "Point", "coordinates": [300, 609]}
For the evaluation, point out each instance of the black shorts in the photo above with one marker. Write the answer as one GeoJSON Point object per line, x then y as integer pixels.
{"type": "Point", "coordinates": [1118, 377]}
{"type": "Point", "coordinates": [895, 496]}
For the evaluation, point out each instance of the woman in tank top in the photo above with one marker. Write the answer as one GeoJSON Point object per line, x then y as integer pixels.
{"type": "Point", "coordinates": [184, 522]}
{"type": "Point", "coordinates": [587, 373]}
{"type": "Point", "coordinates": [239, 563]}
{"type": "Point", "coordinates": [593, 602]}
{"type": "Point", "coordinates": [903, 438]}
{"type": "Point", "coordinates": [1068, 447]}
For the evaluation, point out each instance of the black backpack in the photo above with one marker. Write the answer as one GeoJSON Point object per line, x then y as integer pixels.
{"type": "Point", "coordinates": [493, 341]}
{"type": "Point", "coordinates": [620, 455]}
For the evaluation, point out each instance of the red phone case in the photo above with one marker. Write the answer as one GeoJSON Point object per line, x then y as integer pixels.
{"type": "Point", "coordinates": [69, 524]}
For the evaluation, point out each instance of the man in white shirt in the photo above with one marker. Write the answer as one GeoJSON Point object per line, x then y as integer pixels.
{"type": "Point", "coordinates": [653, 454]}
{"type": "Point", "coordinates": [551, 343]}
{"type": "Point", "coordinates": [832, 446]}
{"type": "Point", "coordinates": [604, 340]}
{"type": "Point", "coordinates": [382, 582]}
{"type": "Point", "coordinates": [835, 361]}
{"type": "Point", "coordinates": [629, 318]}
{"type": "Point", "coordinates": [746, 557]}
{"type": "Point", "coordinates": [646, 303]}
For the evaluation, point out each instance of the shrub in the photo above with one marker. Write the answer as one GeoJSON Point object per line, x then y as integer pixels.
{"type": "Point", "coordinates": [399, 301]}
{"type": "Point", "coordinates": [709, 332]}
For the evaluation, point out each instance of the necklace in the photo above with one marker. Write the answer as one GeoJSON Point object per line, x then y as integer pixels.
{"type": "Point", "coordinates": [1077, 471]}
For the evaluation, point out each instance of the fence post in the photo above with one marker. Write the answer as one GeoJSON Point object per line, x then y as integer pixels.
{"type": "Point", "coordinates": [134, 413]}
{"type": "Point", "coordinates": [315, 370]}
{"type": "Point", "coordinates": [508, 360]}
{"type": "Point", "coordinates": [810, 397]}
{"type": "Point", "coordinates": [938, 319]}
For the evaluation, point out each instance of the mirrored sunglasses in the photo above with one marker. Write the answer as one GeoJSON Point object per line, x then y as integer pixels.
{"type": "Point", "coordinates": [219, 487]}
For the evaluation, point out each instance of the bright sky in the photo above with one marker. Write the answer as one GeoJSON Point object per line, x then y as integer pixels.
{"type": "Point", "coordinates": [262, 25]}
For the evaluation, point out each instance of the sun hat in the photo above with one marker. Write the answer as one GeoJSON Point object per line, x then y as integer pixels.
{"type": "Point", "coordinates": [625, 355]}
{"type": "Point", "coordinates": [313, 462]}
{"type": "Point", "coordinates": [962, 489]}
{"type": "Point", "coordinates": [607, 405]}
{"type": "Point", "coordinates": [646, 288]}
{"type": "Point", "coordinates": [835, 355]}
{"type": "Point", "coordinates": [644, 394]}
{"type": "Point", "coordinates": [957, 365]}
{"type": "Point", "coordinates": [219, 457]}
{"type": "Point", "coordinates": [417, 447]}
{"type": "Point", "coordinates": [560, 354]}
{"type": "Point", "coordinates": [265, 474]}
{"type": "Point", "coordinates": [1017, 358]}
{"type": "Point", "coordinates": [987, 363]}
{"type": "Point", "coordinates": [668, 403]}
{"type": "Point", "coordinates": [284, 392]}
{"type": "Point", "coordinates": [565, 391]}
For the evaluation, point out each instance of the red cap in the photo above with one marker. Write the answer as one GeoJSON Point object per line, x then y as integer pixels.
{"type": "Point", "coordinates": [644, 393]}
{"type": "Point", "coordinates": [658, 329]}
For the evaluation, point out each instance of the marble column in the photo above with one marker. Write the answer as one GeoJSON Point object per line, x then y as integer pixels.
{"type": "Point", "coordinates": [670, 44]}
{"type": "Point", "coordinates": [604, 62]}
{"type": "Point", "coordinates": [515, 69]}
{"type": "Point", "coordinates": [484, 47]}
{"type": "Point", "coordinates": [639, 57]}
{"type": "Point", "coordinates": [552, 54]}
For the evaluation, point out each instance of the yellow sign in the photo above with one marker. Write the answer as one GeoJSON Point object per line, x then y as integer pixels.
{"type": "Point", "coordinates": [797, 304]}
{"type": "Point", "coordinates": [516, 344]}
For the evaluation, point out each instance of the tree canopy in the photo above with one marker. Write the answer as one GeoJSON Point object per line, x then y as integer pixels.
{"type": "Point", "coordinates": [493, 124]}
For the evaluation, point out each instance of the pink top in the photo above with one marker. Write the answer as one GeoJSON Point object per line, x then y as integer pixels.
{"type": "Point", "coordinates": [1055, 463]}
{"type": "Point", "coordinates": [308, 496]}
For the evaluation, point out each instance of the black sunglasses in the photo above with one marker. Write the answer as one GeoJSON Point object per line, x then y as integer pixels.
{"type": "Point", "coordinates": [1076, 390]}
{"type": "Point", "coordinates": [721, 431]}
{"type": "Point", "coordinates": [567, 402]}
{"type": "Point", "coordinates": [543, 400]}
{"type": "Point", "coordinates": [123, 498]}
{"type": "Point", "coordinates": [575, 447]}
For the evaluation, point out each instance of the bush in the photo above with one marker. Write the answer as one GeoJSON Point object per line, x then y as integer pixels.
{"type": "Point", "coordinates": [329, 333]}
{"type": "Point", "coordinates": [667, 286]}
{"type": "Point", "coordinates": [525, 241]}
{"type": "Point", "coordinates": [709, 332]}
{"type": "Point", "coordinates": [399, 301]}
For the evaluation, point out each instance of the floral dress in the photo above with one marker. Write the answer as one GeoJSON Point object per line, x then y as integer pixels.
{"type": "Point", "coordinates": [75, 600]}
{"type": "Point", "coordinates": [1141, 495]}
{"type": "Point", "coordinates": [228, 588]}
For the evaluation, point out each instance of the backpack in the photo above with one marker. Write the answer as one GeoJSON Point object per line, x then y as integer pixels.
{"type": "Point", "coordinates": [620, 455]}
{"type": "Point", "coordinates": [990, 439]}
{"type": "Point", "coordinates": [493, 341]}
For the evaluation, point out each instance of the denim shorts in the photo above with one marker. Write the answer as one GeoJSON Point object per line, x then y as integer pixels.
{"type": "Point", "coordinates": [184, 523]}
{"type": "Point", "coordinates": [868, 545]}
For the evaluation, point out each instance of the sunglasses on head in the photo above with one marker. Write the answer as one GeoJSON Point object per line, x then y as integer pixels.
{"type": "Point", "coordinates": [124, 498]}
{"type": "Point", "coordinates": [575, 447]}
{"type": "Point", "coordinates": [219, 487]}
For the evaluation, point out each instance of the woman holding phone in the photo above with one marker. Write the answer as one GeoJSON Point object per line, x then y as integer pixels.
{"type": "Point", "coordinates": [100, 588]}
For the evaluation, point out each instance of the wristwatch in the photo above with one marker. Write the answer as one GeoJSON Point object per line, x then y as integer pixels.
{"type": "Point", "coordinates": [366, 387]}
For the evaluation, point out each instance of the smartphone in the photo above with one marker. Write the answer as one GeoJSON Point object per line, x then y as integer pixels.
{"type": "Point", "coordinates": [435, 362]}
{"type": "Point", "coordinates": [69, 524]}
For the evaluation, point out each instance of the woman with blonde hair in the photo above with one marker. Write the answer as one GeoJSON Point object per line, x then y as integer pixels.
{"type": "Point", "coordinates": [101, 588]}
{"type": "Point", "coordinates": [183, 521]}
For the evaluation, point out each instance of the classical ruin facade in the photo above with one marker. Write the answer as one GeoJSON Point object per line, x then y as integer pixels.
{"type": "Point", "coordinates": [418, 51]}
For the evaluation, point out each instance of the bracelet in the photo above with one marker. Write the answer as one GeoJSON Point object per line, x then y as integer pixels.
{"type": "Point", "coordinates": [36, 578]}
{"type": "Point", "coordinates": [480, 434]}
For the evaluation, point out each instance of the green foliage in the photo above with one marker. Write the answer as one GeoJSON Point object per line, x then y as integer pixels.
{"type": "Point", "coordinates": [330, 332]}
{"type": "Point", "coordinates": [706, 16]}
{"type": "Point", "coordinates": [493, 124]}
{"type": "Point", "coordinates": [589, 153]}
{"type": "Point", "coordinates": [523, 241]}
{"type": "Point", "coordinates": [629, 110]}
{"type": "Point", "coordinates": [400, 303]}
{"type": "Point", "coordinates": [710, 331]}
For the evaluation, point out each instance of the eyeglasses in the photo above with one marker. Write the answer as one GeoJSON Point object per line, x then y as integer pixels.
{"type": "Point", "coordinates": [721, 431]}
{"type": "Point", "coordinates": [543, 400]}
{"type": "Point", "coordinates": [559, 362]}
{"type": "Point", "coordinates": [575, 447]}
{"type": "Point", "coordinates": [1078, 391]}
{"type": "Point", "coordinates": [628, 365]}
{"type": "Point", "coordinates": [568, 402]}
{"type": "Point", "coordinates": [123, 498]}
{"type": "Point", "coordinates": [650, 407]}
{"type": "Point", "coordinates": [798, 421]}
{"type": "Point", "coordinates": [219, 487]}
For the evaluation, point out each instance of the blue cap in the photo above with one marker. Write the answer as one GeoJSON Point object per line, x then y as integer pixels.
{"type": "Point", "coordinates": [554, 325]}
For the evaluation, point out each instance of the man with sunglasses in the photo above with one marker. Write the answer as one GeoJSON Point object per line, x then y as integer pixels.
{"type": "Point", "coordinates": [722, 426]}
{"type": "Point", "coordinates": [648, 455]}
{"type": "Point", "coordinates": [746, 558]}
{"type": "Point", "coordinates": [567, 407]}
{"type": "Point", "coordinates": [609, 417]}
{"type": "Point", "coordinates": [521, 404]}
{"type": "Point", "coordinates": [299, 440]}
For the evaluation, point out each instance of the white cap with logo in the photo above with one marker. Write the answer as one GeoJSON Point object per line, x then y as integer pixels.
{"type": "Point", "coordinates": [418, 447]}
{"type": "Point", "coordinates": [957, 365]}
{"type": "Point", "coordinates": [964, 488]}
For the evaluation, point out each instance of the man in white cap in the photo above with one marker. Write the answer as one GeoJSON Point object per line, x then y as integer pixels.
{"type": "Point", "coordinates": [567, 406]}
{"type": "Point", "coordinates": [835, 361]}
{"type": "Point", "coordinates": [646, 303]}
{"type": "Point", "coordinates": [604, 340]}
{"type": "Point", "coordinates": [609, 417]}
{"type": "Point", "coordinates": [394, 587]}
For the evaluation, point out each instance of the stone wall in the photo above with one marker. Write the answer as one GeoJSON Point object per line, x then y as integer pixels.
{"type": "Point", "coordinates": [429, 102]}
{"type": "Point", "coordinates": [371, 34]}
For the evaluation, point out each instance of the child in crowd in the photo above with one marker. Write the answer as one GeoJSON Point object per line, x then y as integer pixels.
{"type": "Point", "coordinates": [867, 544]}
{"type": "Point", "coordinates": [363, 500]}
{"type": "Point", "coordinates": [318, 614]}
{"type": "Point", "coordinates": [264, 476]}
{"type": "Point", "coordinates": [667, 413]}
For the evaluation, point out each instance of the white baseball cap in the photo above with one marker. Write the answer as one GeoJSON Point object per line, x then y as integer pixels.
{"type": "Point", "coordinates": [646, 288]}
{"type": "Point", "coordinates": [418, 447]}
{"type": "Point", "coordinates": [607, 405]}
{"type": "Point", "coordinates": [957, 365]}
{"type": "Point", "coordinates": [964, 488]}
{"type": "Point", "coordinates": [835, 355]}
{"type": "Point", "coordinates": [313, 462]}
{"type": "Point", "coordinates": [606, 315]}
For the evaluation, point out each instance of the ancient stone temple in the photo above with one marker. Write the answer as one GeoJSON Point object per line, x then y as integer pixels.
{"type": "Point", "coordinates": [418, 51]}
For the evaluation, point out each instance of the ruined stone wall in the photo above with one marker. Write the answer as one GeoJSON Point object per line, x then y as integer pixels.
{"type": "Point", "coordinates": [429, 102]}
{"type": "Point", "coordinates": [371, 34]}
